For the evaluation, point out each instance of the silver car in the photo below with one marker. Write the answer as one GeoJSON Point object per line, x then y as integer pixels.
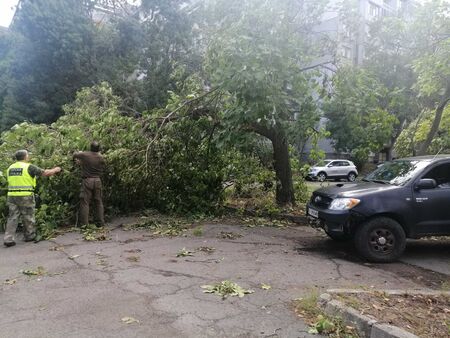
{"type": "Point", "coordinates": [333, 169]}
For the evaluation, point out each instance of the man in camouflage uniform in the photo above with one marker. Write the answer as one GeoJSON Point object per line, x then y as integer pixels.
{"type": "Point", "coordinates": [21, 184]}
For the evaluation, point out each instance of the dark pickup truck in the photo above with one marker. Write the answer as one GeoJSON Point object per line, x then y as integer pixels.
{"type": "Point", "coordinates": [405, 198]}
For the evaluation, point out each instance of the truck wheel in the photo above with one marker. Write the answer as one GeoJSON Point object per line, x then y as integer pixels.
{"type": "Point", "coordinates": [351, 177]}
{"type": "Point", "coordinates": [380, 240]}
{"type": "Point", "coordinates": [321, 177]}
{"type": "Point", "coordinates": [338, 237]}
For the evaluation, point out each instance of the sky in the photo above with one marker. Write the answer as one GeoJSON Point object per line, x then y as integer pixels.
{"type": "Point", "coordinates": [7, 8]}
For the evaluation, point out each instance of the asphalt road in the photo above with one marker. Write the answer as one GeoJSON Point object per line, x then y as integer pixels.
{"type": "Point", "coordinates": [89, 287]}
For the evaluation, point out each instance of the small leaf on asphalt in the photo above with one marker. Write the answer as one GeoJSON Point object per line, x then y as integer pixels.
{"type": "Point", "coordinates": [129, 320]}
{"type": "Point", "coordinates": [38, 272]}
{"type": "Point", "coordinates": [183, 253]}
{"type": "Point", "coordinates": [10, 281]}
{"type": "Point", "coordinates": [313, 330]}
{"type": "Point", "coordinates": [207, 249]}
{"type": "Point", "coordinates": [226, 288]}
{"type": "Point", "coordinates": [133, 259]}
{"type": "Point", "coordinates": [266, 286]}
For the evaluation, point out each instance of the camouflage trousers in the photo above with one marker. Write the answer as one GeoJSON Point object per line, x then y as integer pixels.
{"type": "Point", "coordinates": [20, 207]}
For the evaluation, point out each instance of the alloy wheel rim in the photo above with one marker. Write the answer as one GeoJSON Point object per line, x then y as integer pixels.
{"type": "Point", "coordinates": [382, 241]}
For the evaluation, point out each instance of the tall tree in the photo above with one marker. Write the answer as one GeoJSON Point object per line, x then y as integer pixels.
{"type": "Point", "coordinates": [50, 54]}
{"type": "Point", "coordinates": [260, 55]}
{"type": "Point", "coordinates": [431, 28]}
{"type": "Point", "coordinates": [389, 59]}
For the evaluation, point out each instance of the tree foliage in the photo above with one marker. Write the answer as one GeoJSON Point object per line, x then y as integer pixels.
{"type": "Point", "coordinates": [357, 110]}
{"type": "Point", "coordinates": [179, 170]}
{"type": "Point", "coordinates": [47, 60]}
{"type": "Point", "coordinates": [55, 47]}
{"type": "Point", "coordinates": [258, 56]}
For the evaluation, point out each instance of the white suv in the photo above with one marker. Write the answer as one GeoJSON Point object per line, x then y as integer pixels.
{"type": "Point", "coordinates": [334, 169]}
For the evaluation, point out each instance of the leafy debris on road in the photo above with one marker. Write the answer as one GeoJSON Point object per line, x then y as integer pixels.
{"type": "Point", "coordinates": [40, 271]}
{"type": "Point", "coordinates": [228, 235]}
{"type": "Point", "coordinates": [206, 249]}
{"type": "Point", "coordinates": [130, 320]}
{"type": "Point", "coordinates": [91, 233]}
{"type": "Point", "coordinates": [133, 259]}
{"type": "Point", "coordinates": [226, 288]}
{"type": "Point", "coordinates": [57, 273]}
{"type": "Point", "coordinates": [10, 281]}
{"type": "Point", "coordinates": [266, 286]}
{"type": "Point", "coordinates": [102, 262]}
{"type": "Point", "coordinates": [56, 248]}
{"type": "Point", "coordinates": [73, 257]}
{"type": "Point", "coordinates": [162, 225]}
{"type": "Point", "coordinates": [183, 253]}
{"type": "Point", "coordinates": [253, 222]}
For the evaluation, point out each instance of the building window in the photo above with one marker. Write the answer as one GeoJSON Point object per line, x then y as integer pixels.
{"type": "Point", "coordinates": [374, 10]}
{"type": "Point", "coordinates": [347, 52]}
{"type": "Point", "coordinates": [346, 31]}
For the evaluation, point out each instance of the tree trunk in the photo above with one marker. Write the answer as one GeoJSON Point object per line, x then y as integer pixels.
{"type": "Point", "coordinates": [284, 187]}
{"type": "Point", "coordinates": [436, 123]}
{"type": "Point", "coordinates": [389, 153]}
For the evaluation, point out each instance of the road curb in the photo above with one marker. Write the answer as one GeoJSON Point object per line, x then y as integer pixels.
{"type": "Point", "coordinates": [366, 326]}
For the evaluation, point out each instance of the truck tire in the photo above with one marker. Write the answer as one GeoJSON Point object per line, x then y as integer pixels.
{"type": "Point", "coordinates": [380, 240]}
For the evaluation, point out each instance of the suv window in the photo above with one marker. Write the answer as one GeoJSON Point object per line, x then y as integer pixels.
{"type": "Point", "coordinates": [441, 174]}
{"type": "Point", "coordinates": [344, 164]}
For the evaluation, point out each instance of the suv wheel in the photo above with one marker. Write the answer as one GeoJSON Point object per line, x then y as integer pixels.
{"type": "Point", "coordinates": [321, 177]}
{"type": "Point", "coordinates": [351, 177]}
{"type": "Point", "coordinates": [380, 240]}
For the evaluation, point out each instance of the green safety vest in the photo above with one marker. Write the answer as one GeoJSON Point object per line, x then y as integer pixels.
{"type": "Point", "coordinates": [20, 182]}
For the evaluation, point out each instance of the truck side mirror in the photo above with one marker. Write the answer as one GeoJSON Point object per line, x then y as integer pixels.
{"type": "Point", "coordinates": [426, 183]}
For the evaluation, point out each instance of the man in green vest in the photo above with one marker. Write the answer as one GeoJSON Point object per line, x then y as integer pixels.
{"type": "Point", "coordinates": [21, 184]}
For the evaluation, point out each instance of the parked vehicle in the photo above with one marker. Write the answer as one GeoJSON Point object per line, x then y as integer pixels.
{"type": "Point", "coordinates": [404, 198]}
{"type": "Point", "coordinates": [333, 169]}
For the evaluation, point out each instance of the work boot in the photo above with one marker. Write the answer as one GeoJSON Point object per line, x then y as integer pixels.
{"type": "Point", "coordinates": [9, 244]}
{"type": "Point", "coordinates": [30, 239]}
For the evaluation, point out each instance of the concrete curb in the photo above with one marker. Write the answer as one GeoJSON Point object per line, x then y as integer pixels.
{"type": "Point", "coordinates": [298, 219]}
{"type": "Point", "coordinates": [366, 326]}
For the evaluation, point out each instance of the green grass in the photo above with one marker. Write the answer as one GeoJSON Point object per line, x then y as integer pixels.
{"type": "Point", "coordinates": [320, 323]}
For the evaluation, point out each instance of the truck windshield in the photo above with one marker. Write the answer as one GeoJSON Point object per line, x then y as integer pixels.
{"type": "Point", "coordinates": [396, 172]}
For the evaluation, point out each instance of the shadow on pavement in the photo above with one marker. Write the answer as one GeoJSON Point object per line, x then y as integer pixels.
{"type": "Point", "coordinates": [425, 261]}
